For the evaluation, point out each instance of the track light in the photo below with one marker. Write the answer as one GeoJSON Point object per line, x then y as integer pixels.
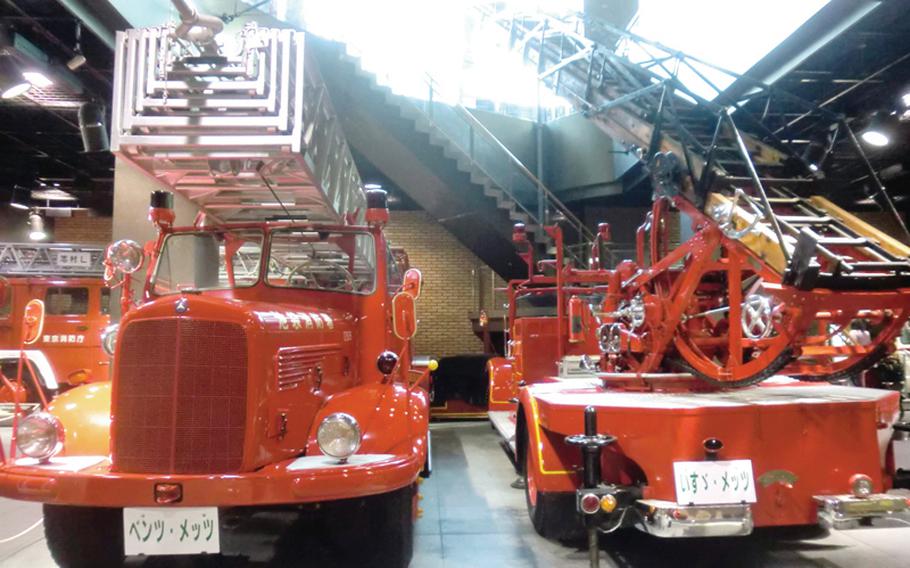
{"type": "Point", "coordinates": [91, 125]}
{"type": "Point", "coordinates": [878, 132]}
{"type": "Point", "coordinates": [37, 79]}
{"type": "Point", "coordinates": [36, 230]}
{"type": "Point", "coordinates": [77, 60]}
{"type": "Point", "coordinates": [12, 88]}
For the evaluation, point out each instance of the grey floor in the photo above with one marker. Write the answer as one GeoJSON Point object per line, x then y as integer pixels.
{"type": "Point", "coordinates": [471, 518]}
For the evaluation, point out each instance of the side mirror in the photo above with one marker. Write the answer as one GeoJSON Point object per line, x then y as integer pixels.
{"type": "Point", "coordinates": [413, 282]}
{"type": "Point", "coordinates": [404, 315]}
{"type": "Point", "coordinates": [33, 322]}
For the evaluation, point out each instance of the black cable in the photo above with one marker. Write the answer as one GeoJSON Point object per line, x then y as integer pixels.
{"type": "Point", "coordinates": [259, 167]}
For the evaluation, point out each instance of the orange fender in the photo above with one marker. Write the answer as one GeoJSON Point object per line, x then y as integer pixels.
{"type": "Point", "coordinates": [392, 418]}
{"type": "Point", "coordinates": [85, 412]}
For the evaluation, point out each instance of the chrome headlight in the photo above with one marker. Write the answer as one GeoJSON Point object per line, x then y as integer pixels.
{"type": "Point", "coordinates": [125, 255]}
{"type": "Point", "coordinates": [39, 435]}
{"type": "Point", "coordinates": [861, 485]}
{"type": "Point", "coordinates": [338, 436]}
{"type": "Point", "coordinates": [109, 339]}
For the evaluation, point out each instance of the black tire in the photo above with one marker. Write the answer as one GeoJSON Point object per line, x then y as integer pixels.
{"type": "Point", "coordinates": [554, 515]}
{"type": "Point", "coordinates": [375, 531]}
{"type": "Point", "coordinates": [853, 370]}
{"type": "Point", "coordinates": [84, 537]}
{"type": "Point", "coordinates": [778, 363]}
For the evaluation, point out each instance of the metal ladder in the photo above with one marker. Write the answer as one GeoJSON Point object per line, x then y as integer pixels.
{"type": "Point", "coordinates": [51, 259]}
{"type": "Point", "coordinates": [644, 105]}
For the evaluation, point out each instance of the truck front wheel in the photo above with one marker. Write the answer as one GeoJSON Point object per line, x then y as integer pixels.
{"type": "Point", "coordinates": [373, 531]}
{"type": "Point", "coordinates": [84, 537]}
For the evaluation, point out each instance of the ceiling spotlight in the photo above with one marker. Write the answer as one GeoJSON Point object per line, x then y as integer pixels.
{"type": "Point", "coordinates": [13, 89]}
{"type": "Point", "coordinates": [37, 79]}
{"type": "Point", "coordinates": [36, 230]}
{"type": "Point", "coordinates": [876, 138]}
{"type": "Point", "coordinates": [76, 62]}
{"type": "Point", "coordinates": [877, 133]}
{"type": "Point", "coordinates": [905, 99]}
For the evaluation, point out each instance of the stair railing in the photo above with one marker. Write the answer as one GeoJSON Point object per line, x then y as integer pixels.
{"type": "Point", "coordinates": [470, 137]}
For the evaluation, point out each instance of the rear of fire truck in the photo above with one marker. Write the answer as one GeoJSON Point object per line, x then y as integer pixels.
{"type": "Point", "coordinates": [694, 390]}
{"type": "Point", "coordinates": [266, 367]}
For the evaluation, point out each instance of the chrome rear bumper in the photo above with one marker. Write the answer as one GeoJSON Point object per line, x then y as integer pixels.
{"type": "Point", "coordinates": [846, 511]}
{"type": "Point", "coordinates": [670, 520]}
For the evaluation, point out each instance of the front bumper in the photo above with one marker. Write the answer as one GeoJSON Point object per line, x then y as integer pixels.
{"type": "Point", "coordinates": [670, 520]}
{"type": "Point", "coordinates": [846, 511]}
{"type": "Point", "coordinates": [89, 481]}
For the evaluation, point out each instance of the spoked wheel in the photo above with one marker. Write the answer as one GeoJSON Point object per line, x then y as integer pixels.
{"type": "Point", "coordinates": [732, 333]}
{"type": "Point", "coordinates": [843, 346]}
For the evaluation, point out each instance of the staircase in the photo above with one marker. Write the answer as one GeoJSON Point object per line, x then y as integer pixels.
{"type": "Point", "coordinates": [731, 156]}
{"type": "Point", "coordinates": [446, 160]}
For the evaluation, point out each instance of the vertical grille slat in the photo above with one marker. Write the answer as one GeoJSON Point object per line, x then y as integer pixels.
{"type": "Point", "coordinates": [200, 430]}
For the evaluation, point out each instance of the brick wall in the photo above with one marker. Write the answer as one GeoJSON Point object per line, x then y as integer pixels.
{"type": "Point", "coordinates": [456, 282]}
{"type": "Point", "coordinates": [81, 228]}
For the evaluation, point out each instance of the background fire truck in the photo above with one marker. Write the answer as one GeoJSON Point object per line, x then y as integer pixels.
{"type": "Point", "coordinates": [633, 402]}
{"type": "Point", "coordinates": [69, 280]}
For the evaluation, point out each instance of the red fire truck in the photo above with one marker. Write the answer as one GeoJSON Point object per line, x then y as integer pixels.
{"type": "Point", "coordinates": [685, 391]}
{"type": "Point", "coordinates": [68, 279]}
{"type": "Point", "coordinates": [266, 367]}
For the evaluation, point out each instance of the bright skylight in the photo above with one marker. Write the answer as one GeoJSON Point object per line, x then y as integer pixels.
{"type": "Point", "coordinates": [405, 41]}
{"type": "Point", "coordinates": [733, 34]}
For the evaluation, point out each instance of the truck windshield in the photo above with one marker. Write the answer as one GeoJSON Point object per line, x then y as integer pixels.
{"type": "Point", "coordinates": [322, 260]}
{"type": "Point", "coordinates": [210, 260]}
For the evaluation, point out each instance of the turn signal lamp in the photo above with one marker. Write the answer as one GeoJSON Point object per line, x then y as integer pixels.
{"type": "Point", "coordinates": [608, 503]}
{"type": "Point", "coordinates": [386, 362]}
{"type": "Point", "coordinates": [433, 365]}
{"type": "Point", "coordinates": [861, 485]}
{"type": "Point", "coordinates": [590, 503]}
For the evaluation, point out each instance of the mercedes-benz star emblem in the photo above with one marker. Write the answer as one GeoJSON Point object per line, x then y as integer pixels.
{"type": "Point", "coordinates": [182, 306]}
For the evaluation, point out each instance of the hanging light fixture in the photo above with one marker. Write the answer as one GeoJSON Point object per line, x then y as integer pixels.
{"type": "Point", "coordinates": [36, 231]}
{"type": "Point", "coordinates": [878, 132]}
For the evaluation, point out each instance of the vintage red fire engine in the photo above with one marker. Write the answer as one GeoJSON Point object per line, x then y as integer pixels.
{"type": "Point", "coordinates": [618, 400]}
{"type": "Point", "coordinates": [268, 364]}
{"type": "Point", "coordinates": [68, 280]}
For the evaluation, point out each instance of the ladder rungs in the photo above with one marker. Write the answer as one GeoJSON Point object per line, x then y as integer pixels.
{"type": "Point", "coordinates": [804, 219]}
{"type": "Point", "coordinates": [849, 241]}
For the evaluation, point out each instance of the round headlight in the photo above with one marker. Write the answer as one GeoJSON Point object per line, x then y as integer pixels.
{"type": "Point", "coordinates": [39, 435]}
{"type": "Point", "coordinates": [125, 255]}
{"type": "Point", "coordinates": [109, 339]}
{"type": "Point", "coordinates": [338, 436]}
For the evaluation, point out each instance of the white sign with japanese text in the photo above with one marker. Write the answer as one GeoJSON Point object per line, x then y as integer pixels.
{"type": "Point", "coordinates": [714, 482]}
{"type": "Point", "coordinates": [74, 259]}
{"type": "Point", "coordinates": [177, 530]}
